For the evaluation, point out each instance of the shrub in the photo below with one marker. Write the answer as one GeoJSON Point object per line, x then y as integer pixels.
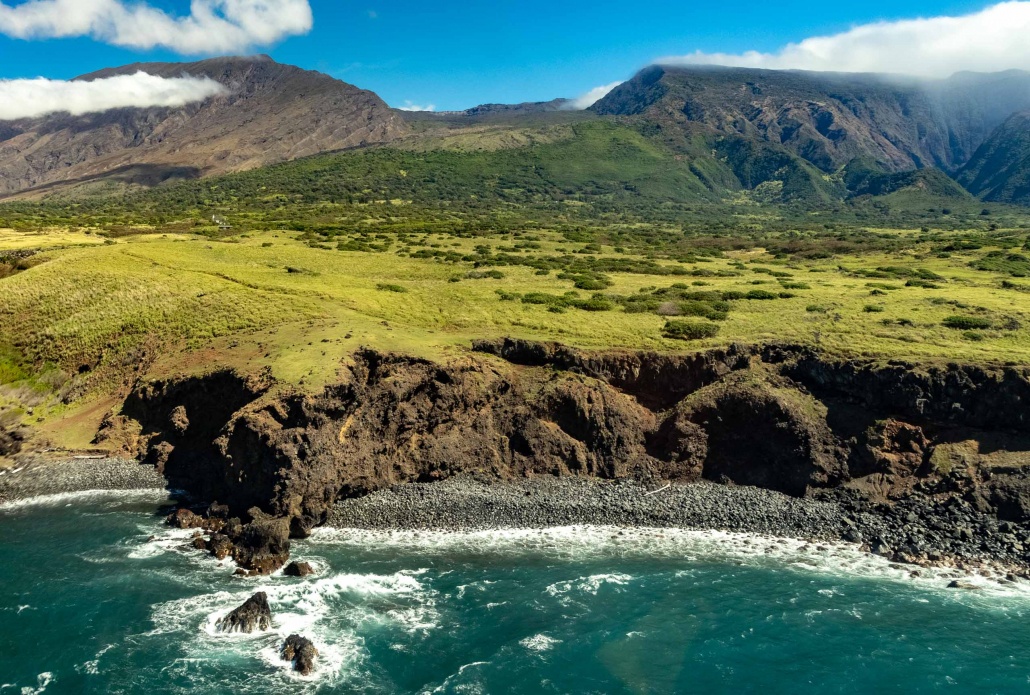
{"type": "Point", "coordinates": [702, 309]}
{"type": "Point", "coordinates": [388, 287]}
{"type": "Point", "coordinates": [966, 323]}
{"type": "Point", "coordinates": [760, 295]}
{"type": "Point", "coordinates": [690, 330]}
{"type": "Point", "coordinates": [484, 274]}
{"type": "Point", "coordinates": [925, 284]}
{"type": "Point", "coordinates": [873, 309]}
{"type": "Point", "coordinates": [596, 303]}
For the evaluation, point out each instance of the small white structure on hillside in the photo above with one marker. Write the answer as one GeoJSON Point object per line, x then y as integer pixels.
{"type": "Point", "coordinates": [222, 223]}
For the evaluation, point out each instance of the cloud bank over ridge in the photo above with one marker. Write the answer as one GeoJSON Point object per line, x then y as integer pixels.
{"type": "Point", "coordinates": [592, 97]}
{"type": "Point", "coordinates": [212, 26]}
{"type": "Point", "coordinates": [38, 97]}
{"type": "Point", "coordinates": [993, 39]}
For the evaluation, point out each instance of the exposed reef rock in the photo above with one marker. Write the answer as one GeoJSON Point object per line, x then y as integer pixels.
{"type": "Point", "coordinates": [263, 545]}
{"type": "Point", "coordinates": [301, 652]}
{"type": "Point", "coordinates": [299, 569]}
{"type": "Point", "coordinates": [253, 615]}
{"type": "Point", "coordinates": [779, 417]}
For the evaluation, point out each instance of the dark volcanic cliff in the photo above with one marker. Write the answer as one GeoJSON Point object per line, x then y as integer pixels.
{"type": "Point", "coordinates": [781, 418]}
{"type": "Point", "coordinates": [272, 113]}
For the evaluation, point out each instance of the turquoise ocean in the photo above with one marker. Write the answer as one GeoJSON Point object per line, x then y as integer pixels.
{"type": "Point", "coordinates": [89, 605]}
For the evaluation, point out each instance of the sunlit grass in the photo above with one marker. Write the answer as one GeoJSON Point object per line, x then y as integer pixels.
{"type": "Point", "coordinates": [269, 300]}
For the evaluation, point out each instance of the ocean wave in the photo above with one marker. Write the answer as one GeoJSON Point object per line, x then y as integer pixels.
{"type": "Point", "coordinates": [589, 543]}
{"type": "Point", "coordinates": [462, 681]}
{"type": "Point", "coordinates": [539, 643]}
{"type": "Point", "coordinates": [82, 496]}
{"type": "Point", "coordinates": [589, 585]}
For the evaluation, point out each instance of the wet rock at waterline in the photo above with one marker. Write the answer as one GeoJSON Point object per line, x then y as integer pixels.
{"type": "Point", "coordinates": [263, 545]}
{"type": "Point", "coordinates": [299, 569]}
{"type": "Point", "coordinates": [301, 652]}
{"type": "Point", "coordinates": [254, 615]}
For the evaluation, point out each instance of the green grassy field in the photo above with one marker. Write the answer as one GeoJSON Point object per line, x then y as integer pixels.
{"type": "Point", "coordinates": [599, 234]}
{"type": "Point", "coordinates": [82, 318]}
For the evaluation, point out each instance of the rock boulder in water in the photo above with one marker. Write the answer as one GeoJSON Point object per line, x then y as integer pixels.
{"type": "Point", "coordinates": [299, 569]}
{"type": "Point", "coordinates": [301, 652]}
{"type": "Point", "coordinates": [184, 518]}
{"type": "Point", "coordinates": [252, 615]}
{"type": "Point", "coordinates": [263, 545]}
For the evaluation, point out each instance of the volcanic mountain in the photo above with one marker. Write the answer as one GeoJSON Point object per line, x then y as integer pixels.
{"type": "Point", "coordinates": [271, 113]}
{"type": "Point", "coordinates": [829, 119]}
{"type": "Point", "coordinates": [1000, 170]}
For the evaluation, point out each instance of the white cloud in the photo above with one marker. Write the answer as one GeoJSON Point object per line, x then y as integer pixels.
{"type": "Point", "coordinates": [31, 98]}
{"type": "Point", "coordinates": [991, 40]}
{"type": "Point", "coordinates": [408, 106]}
{"type": "Point", "coordinates": [592, 97]}
{"type": "Point", "coordinates": [213, 26]}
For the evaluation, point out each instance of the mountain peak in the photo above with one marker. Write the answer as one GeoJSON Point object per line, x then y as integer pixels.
{"type": "Point", "coordinates": [272, 112]}
{"type": "Point", "coordinates": [829, 119]}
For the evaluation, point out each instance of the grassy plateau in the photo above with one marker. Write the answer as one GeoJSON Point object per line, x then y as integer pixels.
{"type": "Point", "coordinates": [590, 233]}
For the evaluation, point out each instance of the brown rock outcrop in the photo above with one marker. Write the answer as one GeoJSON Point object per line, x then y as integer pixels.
{"type": "Point", "coordinates": [778, 417]}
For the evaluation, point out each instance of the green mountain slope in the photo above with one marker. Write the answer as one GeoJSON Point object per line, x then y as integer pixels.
{"type": "Point", "coordinates": [585, 169]}
{"type": "Point", "coordinates": [1000, 169]}
{"type": "Point", "coordinates": [829, 119]}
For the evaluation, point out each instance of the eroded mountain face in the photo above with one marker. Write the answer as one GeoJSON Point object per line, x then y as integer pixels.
{"type": "Point", "coordinates": [272, 113]}
{"type": "Point", "coordinates": [830, 119]}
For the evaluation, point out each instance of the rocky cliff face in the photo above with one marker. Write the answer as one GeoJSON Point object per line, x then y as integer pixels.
{"type": "Point", "coordinates": [830, 119]}
{"type": "Point", "coordinates": [271, 114]}
{"type": "Point", "coordinates": [783, 418]}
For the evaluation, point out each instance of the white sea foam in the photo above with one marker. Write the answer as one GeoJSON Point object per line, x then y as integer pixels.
{"type": "Point", "coordinates": [332, 611]}
{"type": "Point", "coordinates": [459, 682]}
{"type": "Point", "coordinates": [71, 498]}
{"type": "Point", "coordinates": [580, 543]}
{"type": "Point", "coordinates": [589, 585]}
{"type": "Point", "coordinates": [92, 667]}
{"type": "Point", "coordinates": [539, 643]}
{"type": "Point", "coordinates": [42, 681]}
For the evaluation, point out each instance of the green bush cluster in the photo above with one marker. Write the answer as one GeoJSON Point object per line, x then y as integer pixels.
{"type": "Point", "coordinates": [967, 323]}
{"type": "Point", "coordinates": [690, 330]}
{"type": "Point", "coordinates": [390, 287]}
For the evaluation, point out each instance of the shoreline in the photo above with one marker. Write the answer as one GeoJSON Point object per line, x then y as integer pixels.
{"type": "Point", "coordinates": [46, 477]}
{"type": "Point", "coordinates": [918, 532]}
{"type": "Point", "coordinates": [465, 503]}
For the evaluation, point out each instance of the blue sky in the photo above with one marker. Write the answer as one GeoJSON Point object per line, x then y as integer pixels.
{"type": "Point", "coordinates": [457, 54]}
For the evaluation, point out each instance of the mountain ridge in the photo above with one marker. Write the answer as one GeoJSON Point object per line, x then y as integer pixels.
{"type": "Point", "coordinates": [830, 118]}
{"type": "Point", "coordinates": [1000, 169]}
{"type": "Point", "coordinates": [271, 113]}
{"type": "Point", "coordinates": [789, 136]}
